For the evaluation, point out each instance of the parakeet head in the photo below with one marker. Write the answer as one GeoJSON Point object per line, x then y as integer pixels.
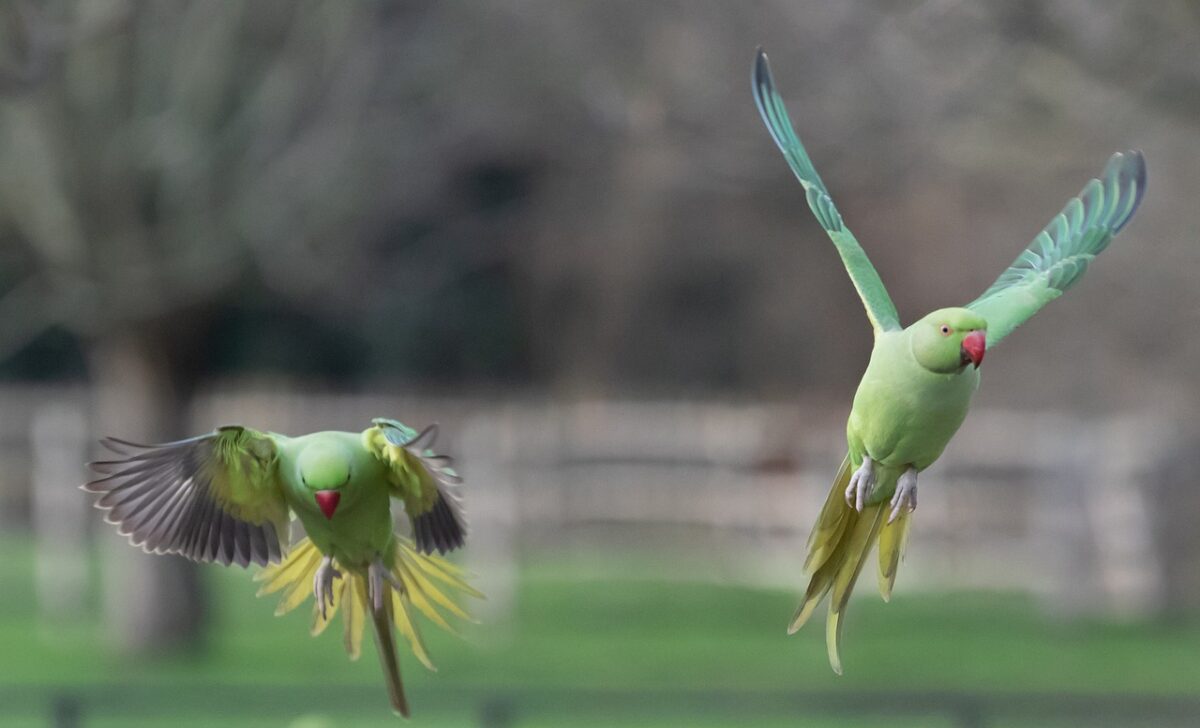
{"type": "Point", "coordinates": [324, 469]}
{"type": "Point", "coordinates": [949, 339]}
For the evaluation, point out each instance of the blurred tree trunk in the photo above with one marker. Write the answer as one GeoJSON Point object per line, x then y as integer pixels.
{"type": "Point", "coordinates": [152, 603]}
{"type": "Point", "coordinates": [152, 157]}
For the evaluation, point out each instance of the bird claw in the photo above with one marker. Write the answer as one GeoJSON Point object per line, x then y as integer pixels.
{"type": "Point", "coordinates": [377, 574]}
{"type": "Point", "coordinates": [862, 482]}
{"type": "Point", "coordinates": [323, 585]}
{"type": "Point", "coordinates": [905, 497]}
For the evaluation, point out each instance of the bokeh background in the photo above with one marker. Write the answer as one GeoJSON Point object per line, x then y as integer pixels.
{"type": "Point", "coordinates": [561, 231]}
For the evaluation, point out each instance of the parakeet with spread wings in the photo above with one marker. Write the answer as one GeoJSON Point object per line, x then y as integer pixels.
{"type": "Point", "coordinates": [919, 381]}
{"type": "Point", "coordinates": [226, 497]}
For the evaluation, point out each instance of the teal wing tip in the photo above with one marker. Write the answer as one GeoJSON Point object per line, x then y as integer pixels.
{"type": "Point", "coordinates": [762, 69]}
{"type": "Point", "coordinates": [1128, 169]}
{"type": "Point", "coordinates": [761, 81]}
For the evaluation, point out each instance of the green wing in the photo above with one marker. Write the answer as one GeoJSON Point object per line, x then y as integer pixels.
{"type": "Point", "coordinates": [880, 308]}
{"type": "Point", "coordinates": [215, 497]}
{"type": "Point", "coordinates": [1060, 254]}
{"type": "Point", "coordinates": [422, 479]}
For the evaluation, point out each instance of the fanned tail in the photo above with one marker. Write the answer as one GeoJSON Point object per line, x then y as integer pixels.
{"type": "Point", "coordinates": [431, 584]}
{"type": "Point", "coordinates": [838, 548]}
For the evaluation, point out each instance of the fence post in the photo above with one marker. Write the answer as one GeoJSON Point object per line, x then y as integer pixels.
{"type": "Point", "coordinates": [58, 437]}
{"type": "Point", "coordinates": [1129, 565]}
{"type": "Point", "coordinates": [1069, 450]}
{"type": "Point", "coordinates": [487, 455]}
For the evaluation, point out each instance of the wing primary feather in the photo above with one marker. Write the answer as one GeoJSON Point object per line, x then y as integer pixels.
{"type": "Point", "coordinates": [880, 309]}
{"type": "Point", "coordinates": [439, 529]}
{"type": "Point", "coordinates": [165, 498]}
{"type": "Point", "coordinates": [1059, 255]}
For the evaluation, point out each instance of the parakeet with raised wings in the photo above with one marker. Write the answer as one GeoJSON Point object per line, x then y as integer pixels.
{"type": "Point", "coordinates": [226, 497]}
{"type": "Point", "coordinates": [920, 378]}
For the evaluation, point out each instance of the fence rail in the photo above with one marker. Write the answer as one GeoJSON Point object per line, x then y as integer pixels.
{"type": "Point", "coordinates": [1057, 505]}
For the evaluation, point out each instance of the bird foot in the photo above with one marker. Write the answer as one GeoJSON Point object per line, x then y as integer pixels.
{"type": "Point", "coordinates": [378, 573]}
{"type": "Point", "coordinates": [323, 585]}
{"type": "Point", "coordinates": [862, 482]}
{"type": "Point", "coordinates": [905, 498]}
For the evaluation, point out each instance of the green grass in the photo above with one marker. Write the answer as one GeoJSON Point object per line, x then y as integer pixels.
{"type": "Point", "coordinates": [588, 653]}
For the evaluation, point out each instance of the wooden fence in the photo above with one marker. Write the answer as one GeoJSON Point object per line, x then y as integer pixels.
{"type": "Point", "coordinates": [1044, 502]}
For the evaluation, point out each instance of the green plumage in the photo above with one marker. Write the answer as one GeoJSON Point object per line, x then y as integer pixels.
{"type": "Point", "coordinates": [226, 496]}
{"type": "Point", "coordinates": [880, 308]}
{"type": "Point", "coordinates": [1060, 254]}
{"type": "Point", "coordinates": [919, 381]}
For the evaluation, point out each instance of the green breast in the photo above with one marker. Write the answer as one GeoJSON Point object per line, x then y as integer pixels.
{"type": "Point", "coordinates": [362, 525]}
{"type": "Point", "coordinates": [904, 415]}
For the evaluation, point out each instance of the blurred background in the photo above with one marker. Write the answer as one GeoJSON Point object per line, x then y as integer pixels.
{"type": "Point", "coordinates": [561, 231]}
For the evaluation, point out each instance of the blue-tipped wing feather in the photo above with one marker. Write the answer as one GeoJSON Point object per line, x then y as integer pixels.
{"type": "Point", "coordinates": [880, 308]}
{"type": "Point", "coordinates": [1060, 254]}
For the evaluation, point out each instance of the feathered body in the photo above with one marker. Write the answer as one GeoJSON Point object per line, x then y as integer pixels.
{"type": "Point", "coordinates": [918, 384]}
{"type": "Point", "coordinates": [904, 414]}
{"type": "Point", "coordinates": [361, 527]}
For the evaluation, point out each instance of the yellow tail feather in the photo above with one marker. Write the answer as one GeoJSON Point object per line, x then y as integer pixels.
{"type": "Point", "coordinates": [893, 538]}
{"type": "Point", "coordinates": [859, 542]}
{"type": "Point", "coordinates": [824, 542]}
{"type": "Point", "coordinates": [832, 523]}
{"type": "Point", "coordinates": [838, 548]}
{"type": "Point", "coordinates": [408, 629]}
{"type": "Point", "coordinates": [822, 579]}
{"type": "Point", "coordinates": [429, 582]}
{"type": "Point", "coordinates": [354, 594]}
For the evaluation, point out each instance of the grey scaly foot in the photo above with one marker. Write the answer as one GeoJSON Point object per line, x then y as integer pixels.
{"type": "Point", "coordinates": [323, 584]}
{"type": "Point", "coordinates": [862, 482]}
{"type": "Point", "coordinates": [906, 494]}
{"type": "Point", "coordinates": [377, 573]}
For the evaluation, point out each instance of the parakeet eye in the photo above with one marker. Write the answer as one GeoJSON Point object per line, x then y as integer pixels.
{"type": "Point", "coordinates": [945, 330]}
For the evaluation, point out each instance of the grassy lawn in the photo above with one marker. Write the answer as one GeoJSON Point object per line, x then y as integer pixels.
{"type": "Point", "coordinates": [588, 653]}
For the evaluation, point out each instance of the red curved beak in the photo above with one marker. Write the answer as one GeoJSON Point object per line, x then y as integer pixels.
{"type": "Point", "coordinates": [327, 501]}
{"type": "Point", "coordinates": [973, 348]}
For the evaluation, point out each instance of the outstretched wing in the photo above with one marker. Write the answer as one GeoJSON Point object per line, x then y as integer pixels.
{"type": "Point", "coordinates": [422, 479]}
{"type": "Point", "coordinates": [1060, 254]}
{"type": "Point", "coordinates": [215, 497]}
{"type": "Point", "coordinates": [880, 308]}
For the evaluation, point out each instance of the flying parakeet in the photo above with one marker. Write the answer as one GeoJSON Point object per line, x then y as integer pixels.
{"type": "Point", "coordinates": [226, 496]}
{"type": "Point", "coordinates": [920, 379]}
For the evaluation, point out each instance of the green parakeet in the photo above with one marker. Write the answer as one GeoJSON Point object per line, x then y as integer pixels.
{"type": "Point", "coordinates": [920, 379]}
{"type": "Point", "coordinates": [226, 497]}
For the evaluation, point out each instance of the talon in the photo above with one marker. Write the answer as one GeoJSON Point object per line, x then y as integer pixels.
{"type": "Point", "coordinates": [905, 497]}
{"type": "Point", "coordinates": [862, 482]}
{"type": "Point", "coordinates": [323, 585]}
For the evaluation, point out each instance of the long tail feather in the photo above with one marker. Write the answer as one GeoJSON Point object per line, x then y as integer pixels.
{"type": "Point", "coordinates": [354, 615]}
{"type": "Point", "coordinates": [408, 629]}
{"type": "Point", "coordinates": [893, 538]}
{"type": "Point", "coordinates": [821, 564]}
{"type": "Point", "coordinates": [822, 579]}
{"type": "Point", "coordinates": [837, 550]}
{"type": "Point", "coordinates": [385, 644]}
{"type": "Point", "coordinates": [859, 543]}
{"type": "Point", "coordinates": [835, 518]}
